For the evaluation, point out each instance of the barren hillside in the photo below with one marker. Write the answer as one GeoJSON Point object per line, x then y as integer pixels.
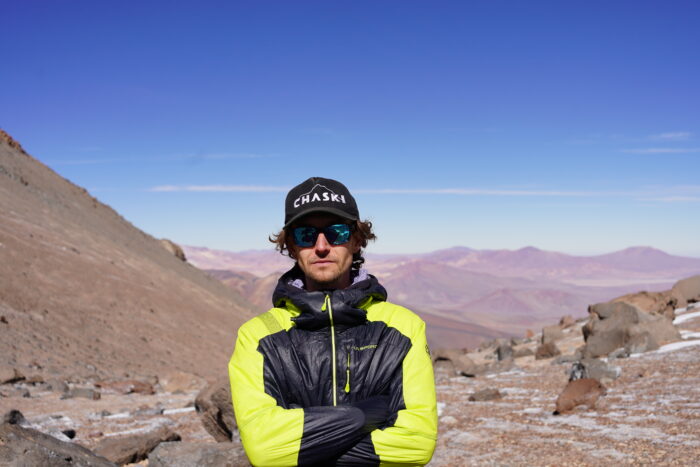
{"type": "Point", "coordinates": [84, 292]}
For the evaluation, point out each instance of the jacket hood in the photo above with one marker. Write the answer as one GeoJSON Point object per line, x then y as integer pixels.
{"type": "Point", "coordinates": [347, 304]}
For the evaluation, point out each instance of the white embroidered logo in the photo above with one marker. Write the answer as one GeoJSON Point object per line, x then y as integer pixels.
{"type": "Point", "coordinates": [322, 194]}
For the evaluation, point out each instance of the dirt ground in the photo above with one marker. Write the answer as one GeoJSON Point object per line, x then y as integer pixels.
{"type": "Point", "coordinates": [650, 415]}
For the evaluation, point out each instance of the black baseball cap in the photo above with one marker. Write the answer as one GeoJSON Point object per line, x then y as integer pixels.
{"type": "Point", "coordinates": [319, 194]}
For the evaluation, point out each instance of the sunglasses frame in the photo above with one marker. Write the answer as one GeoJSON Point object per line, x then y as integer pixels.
{"type": "Point", "coordinates": [322, 230]}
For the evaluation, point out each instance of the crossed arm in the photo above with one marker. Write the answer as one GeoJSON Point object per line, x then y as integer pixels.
{"type": "Point", "coordinates": [344, 435]}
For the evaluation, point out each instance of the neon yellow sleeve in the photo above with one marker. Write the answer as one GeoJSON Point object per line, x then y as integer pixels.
{"type": "Point", "coordinates": [271, 435]}
{"type": "Point", "coordinates": [411, 440]}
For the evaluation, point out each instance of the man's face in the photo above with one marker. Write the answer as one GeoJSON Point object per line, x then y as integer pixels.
{"type": "Point", "coordinates": [326, 266]}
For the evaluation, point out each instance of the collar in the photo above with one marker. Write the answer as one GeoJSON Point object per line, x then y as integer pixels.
{"type": "Point", "coordinates": [348, 305]}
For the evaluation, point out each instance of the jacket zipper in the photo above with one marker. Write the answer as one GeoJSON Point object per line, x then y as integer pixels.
{"type": "Point", "coordinates": [347, 376]}
{"type": "Point", "coordinates": [327, 305]}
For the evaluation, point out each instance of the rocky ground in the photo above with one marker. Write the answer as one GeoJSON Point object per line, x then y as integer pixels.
{"type": "Point", "coordinates": [650, 415]}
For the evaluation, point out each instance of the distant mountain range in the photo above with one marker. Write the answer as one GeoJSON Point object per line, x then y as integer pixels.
{"type": "Point", "coordinates": [468, 295]}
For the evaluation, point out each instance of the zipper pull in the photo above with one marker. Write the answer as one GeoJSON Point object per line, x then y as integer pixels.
{"type": "Point", "coordinates": [347, 380]}
{"type": "Point", "coordinates": [324, 307]}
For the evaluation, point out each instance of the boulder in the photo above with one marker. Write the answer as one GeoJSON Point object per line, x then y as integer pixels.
{"type": "Point", "coordinates": [567, 321]}
{"type": "Point", "coordinates": [9, 374]}
{"type": "Point", "coordinates": [599, 370]}
{"type": "Point", "coordinates": [86, 393]}
{"type": "Point", "coordinates": [28, 447]}
{"type": "Point", "coordinates": [504, 352]}
{"type": "Point", "coordinates": [659, 303]}
{"type": "Point", "coordinates": [552, 333]}
{"type": "Point", "coordinates": [487, 394]}
{"type": "Point", "coordinates": [134, 448]}
{"type": "Point", "coordinates": [14, 417]}
{"type": "Point", "coordinates": [126, 387]}
{"type": "Point", "coordinates": [173, 248]}
{"type": "Point", "coordinates": [179, 381]}
{"type": "Point", "coordinates": [606, 309]}
{"type": "Point", "coordinates": [547, 350]}
{"type": "Point", "coordinates": [215, 409]}
{"type": "Point", "coordinates": [585, 391]}
{"type": "Point", "coordinates": [627, 325]}
{"type": "Point", "coordinates": [462, 364]}
{"type": "Point", "coordinates": [56, 385]}
{"type": "Point", "coordinates": [686, 291]}
{"type": "Point", "coordinates": [523, 351]}
{"type": "Point", "coordinates": [199, 453]}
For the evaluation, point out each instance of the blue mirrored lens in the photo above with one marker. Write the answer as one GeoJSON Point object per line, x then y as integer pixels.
{"type": "Point", "coordinates": [336, 234]}
{"type": "Point", "coordinates": [305, 236]}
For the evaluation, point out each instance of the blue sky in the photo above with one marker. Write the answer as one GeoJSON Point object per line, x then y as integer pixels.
{"type": "Point", "coordinates": [569, 126]}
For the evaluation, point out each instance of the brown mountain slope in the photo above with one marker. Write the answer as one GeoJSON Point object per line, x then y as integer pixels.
{"type": "Point", "coordinates": [84, 292]}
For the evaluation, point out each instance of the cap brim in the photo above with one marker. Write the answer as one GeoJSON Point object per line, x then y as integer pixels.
{"type": "Point", "coordinates": [336, 212]}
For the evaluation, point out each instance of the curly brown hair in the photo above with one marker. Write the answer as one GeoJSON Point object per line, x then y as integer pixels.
{"type": "Point", "coordinates": [362, 233]}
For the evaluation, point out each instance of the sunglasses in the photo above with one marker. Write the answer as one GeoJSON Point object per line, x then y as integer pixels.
{"type": "Point", "coordinates": [336, 234]}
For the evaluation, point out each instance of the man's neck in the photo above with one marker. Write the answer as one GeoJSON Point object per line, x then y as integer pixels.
{"type": "Point", "coordinates": [341, 283]}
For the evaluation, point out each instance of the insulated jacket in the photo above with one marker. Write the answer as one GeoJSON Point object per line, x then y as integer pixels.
{"type": "Point", "coordinates": [334, 378]}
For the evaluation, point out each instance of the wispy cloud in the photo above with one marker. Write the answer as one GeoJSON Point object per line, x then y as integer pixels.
{"type": "Point", "coordinates": [220, 188]}
{"type": "Point", "coordinates": [672, 136]}
{"type": "Point", "coordinates": [661, 150]}
{"type": "Point", "coordinates": [671, 194]}
{"type": "Point", "coordinates": [675, 199]}
{"type": "Point", "coordinates": [224, 156]}
{"type": "Point", "coordinates": [85, 161]}
{"type": "Point", "coordinates": [480, 192]}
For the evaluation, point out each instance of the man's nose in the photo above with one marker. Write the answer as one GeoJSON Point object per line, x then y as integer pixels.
{"type": "Point", "coordinates": [322, 244]}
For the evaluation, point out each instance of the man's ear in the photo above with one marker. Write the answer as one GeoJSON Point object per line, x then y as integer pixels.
{"type": "Point", "coordinates": [355, 245]}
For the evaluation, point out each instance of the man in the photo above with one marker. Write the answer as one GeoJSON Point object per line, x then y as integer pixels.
{"type": "Point", "coordinates": [333, 374]}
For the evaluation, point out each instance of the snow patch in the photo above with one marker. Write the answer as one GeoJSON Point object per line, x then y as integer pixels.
{"type": "Point", "coordinates": [686, 317]}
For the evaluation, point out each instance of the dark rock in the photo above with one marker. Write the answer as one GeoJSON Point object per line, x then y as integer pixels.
{"type": "Point", "coordinates": [461, 363]}
{"type": "Point", "coordinates": [13, 417]}
{"type": "Point", "coordinates": [201, 454]}
{"type": "Point", "coordinates": [215, 409]}
{"type": "Point", "coordinates": [548, 350]}
{"type": "Point", "coordinates": [686, 291]}
{"type": "Point", "coordinates": [523, 351]}
{"type": "Point", "coordinates": [28, 447]}
{"type": "Point", "coordinates": [86, 393]}
{"type": "Point", "coordinates": [9, 375]}
{"type": "Point", "coordinates": [599, 370]}
{"type": "Point", "coordinates": [620, 328]}
{"type": "Point", "coordinates": [56, 385]}
{"type": "Point", "coordinates": [567, 321]}
{"type": "Point", "coordinates": [552, 334]}
{"type": "Point", "coordinates": [486, 395]}
{"type": "Point", "coordinates": [578, 371]}
{"type": "Point", "coordinates": [70, 433]}
{"type": "Point", "coordinates": [504, 352]}
{"type": "Point", "coordinates": [561, 359]}
{"type": "Point", "coordinates": [134, 448]}
{"type": "Point", "coordinates": [622, 352]}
